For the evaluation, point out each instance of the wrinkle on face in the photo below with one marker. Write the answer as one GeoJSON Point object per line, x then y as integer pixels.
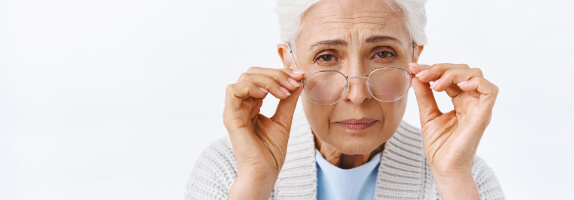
{"type": "Point", "coordinates": [352, 21]}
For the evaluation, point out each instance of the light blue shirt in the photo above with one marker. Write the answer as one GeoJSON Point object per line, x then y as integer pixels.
{"type": "Point", "coordinates": [346, 184]}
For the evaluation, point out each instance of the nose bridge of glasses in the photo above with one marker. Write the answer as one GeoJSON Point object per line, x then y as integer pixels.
{"type": "Point", "coordinates": [359, 77]}
{"type": "Point", "coordinates": [355, 77]}
{"type": "Point", "coordinates": [358, 92]}
{"type": "Point", "coordinates": [358, 84]}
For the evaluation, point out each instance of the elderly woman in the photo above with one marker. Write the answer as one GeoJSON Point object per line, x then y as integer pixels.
{"type": "Point", "coordinates": [353, 63]}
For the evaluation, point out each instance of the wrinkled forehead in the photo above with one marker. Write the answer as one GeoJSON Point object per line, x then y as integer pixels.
{"type": "Point", "coordinates": [353, 21]}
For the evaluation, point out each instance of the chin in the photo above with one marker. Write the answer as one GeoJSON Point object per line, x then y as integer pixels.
{"type": "Point", "coordinates": [355, 145]}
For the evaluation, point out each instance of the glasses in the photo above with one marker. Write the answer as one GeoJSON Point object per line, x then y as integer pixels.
{"type": "Point", "coordinates": [328, 87]}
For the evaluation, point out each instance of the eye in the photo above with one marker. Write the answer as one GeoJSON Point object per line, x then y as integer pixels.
{"type": "Point", "coordinates": [325, 57]}
{"type": "Point", "coordinates": [385, 54]}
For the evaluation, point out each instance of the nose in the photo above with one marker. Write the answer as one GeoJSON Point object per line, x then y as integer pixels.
{"type": "Point", "coordinates": [358, 91]}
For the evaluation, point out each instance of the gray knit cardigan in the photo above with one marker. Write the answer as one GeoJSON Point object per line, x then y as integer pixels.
{"type": "Point", "coordinates": [403, 171]}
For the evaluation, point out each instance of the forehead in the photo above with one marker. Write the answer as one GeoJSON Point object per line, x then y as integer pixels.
{"type": "Point", "coordinates": [351, 20]}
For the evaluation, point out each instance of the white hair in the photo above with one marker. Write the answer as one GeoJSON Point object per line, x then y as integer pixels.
{"type": "Point", "coordinates": [290, 13]}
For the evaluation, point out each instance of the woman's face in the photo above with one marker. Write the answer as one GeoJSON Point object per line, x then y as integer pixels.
{"type": "Point", "coordinates": [352, 36]}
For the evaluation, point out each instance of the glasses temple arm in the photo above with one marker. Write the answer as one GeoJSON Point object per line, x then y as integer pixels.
{"type": "Point", "coordinates": [291, 52]}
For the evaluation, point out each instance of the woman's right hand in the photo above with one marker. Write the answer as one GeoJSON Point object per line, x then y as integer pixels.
{"type": "Point", "coordinates": [260, 143]}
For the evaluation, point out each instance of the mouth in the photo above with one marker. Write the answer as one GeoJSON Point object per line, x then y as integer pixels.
{"type": "Point", "coordinates": [357, 124]}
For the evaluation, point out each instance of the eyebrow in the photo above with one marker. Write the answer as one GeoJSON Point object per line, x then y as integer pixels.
{"type": "Point", "coordinates": [378, 38]}
{"type": "Point", "coordinates": [340, 42]}
{"type": "Point", "coordinates": [336, 42]}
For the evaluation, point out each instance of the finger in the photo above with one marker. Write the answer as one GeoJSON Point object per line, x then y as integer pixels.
{"type": "Point", "coordinates": [453, 91]}
{"type": "Point", "coordinates": [481, 115]}
{"type": "Point", "coordinates": [454, 76]}
{"type": "Point", "coordinates": [281, 75]}
{"type": "Point", "coordinates": [296, 74]}
{"type": "Point", "coordinates": [480, 85]}
{"type": "Point", "coordinates": [237, 107]}
{"type": "Point", "coordinates": [235, 93]}
{"type": "Point", "coordinates": [434, 72]}
{"type": "Point", "coordinates": [286, 108]}
{"type": "Point", "coordinates": [416, 68]}
{"type": "Point", "coordinates": [267, 83]}
{"type": "Point", "coordinates": [428, 108]}
{"type": "Point", "coordinates": [288, 83]}
{"type": "Point", "coordinates": [256, 109]}
{"type": "Point", "coordinates": [451, 77]}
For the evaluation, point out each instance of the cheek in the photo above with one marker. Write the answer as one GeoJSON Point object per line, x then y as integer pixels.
{"type": "Point", "coordinates": [394, 112]}
{"type": "Point", "coordinates": [318, 116]}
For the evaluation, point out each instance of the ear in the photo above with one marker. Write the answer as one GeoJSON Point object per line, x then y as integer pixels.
{"type": "Point", "coordinates": [418, 51]}
{"type": "Point", "coordinates": [286, 59]}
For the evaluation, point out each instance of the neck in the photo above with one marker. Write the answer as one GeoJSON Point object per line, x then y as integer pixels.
{"type": "Point", "coordinates": [341, 160]}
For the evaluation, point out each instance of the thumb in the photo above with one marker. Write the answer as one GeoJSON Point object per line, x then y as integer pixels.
{"type": "Point", "coordinates": [428, 108]}
{"type": "Point", "coordinates": [286, 108]}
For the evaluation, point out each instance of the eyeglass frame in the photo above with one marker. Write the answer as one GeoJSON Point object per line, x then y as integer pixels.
{"type": "Point", "coordinates": [347, 78]}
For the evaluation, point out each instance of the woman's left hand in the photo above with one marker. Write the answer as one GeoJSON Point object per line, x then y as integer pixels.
{"type": "Point", "coordinates": [450, 139]}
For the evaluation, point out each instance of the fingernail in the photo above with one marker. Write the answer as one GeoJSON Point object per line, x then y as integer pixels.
{"type": "Point", "coordinates": [293, 82]}
{"type": "Point", "coordinates": [285, 91]}
{"type": "Point", "coordinates": [414, 65]}
{"type": "Point", "coordinates": [263, 90]}
{"type": "Point", "coordinates": [298, 71]}
{"type": "Point", "coordinates": [423, 73]}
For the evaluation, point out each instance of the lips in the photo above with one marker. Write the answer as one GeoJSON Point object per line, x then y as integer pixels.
{"type": "Point", "coordinates": [357, 124]}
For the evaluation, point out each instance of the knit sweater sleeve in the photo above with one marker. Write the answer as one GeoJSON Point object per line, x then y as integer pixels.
{"type": "Point", "coordinates": [213, 173]}
{"type": "Point", "coordinates": [488, 186]}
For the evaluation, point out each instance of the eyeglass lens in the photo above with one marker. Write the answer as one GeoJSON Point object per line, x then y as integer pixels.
{"type": "Point", "coordinates": [385, 84]}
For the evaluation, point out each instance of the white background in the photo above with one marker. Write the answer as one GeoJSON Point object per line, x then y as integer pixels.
{"type": "Point", "coordinates": [116, 99]}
